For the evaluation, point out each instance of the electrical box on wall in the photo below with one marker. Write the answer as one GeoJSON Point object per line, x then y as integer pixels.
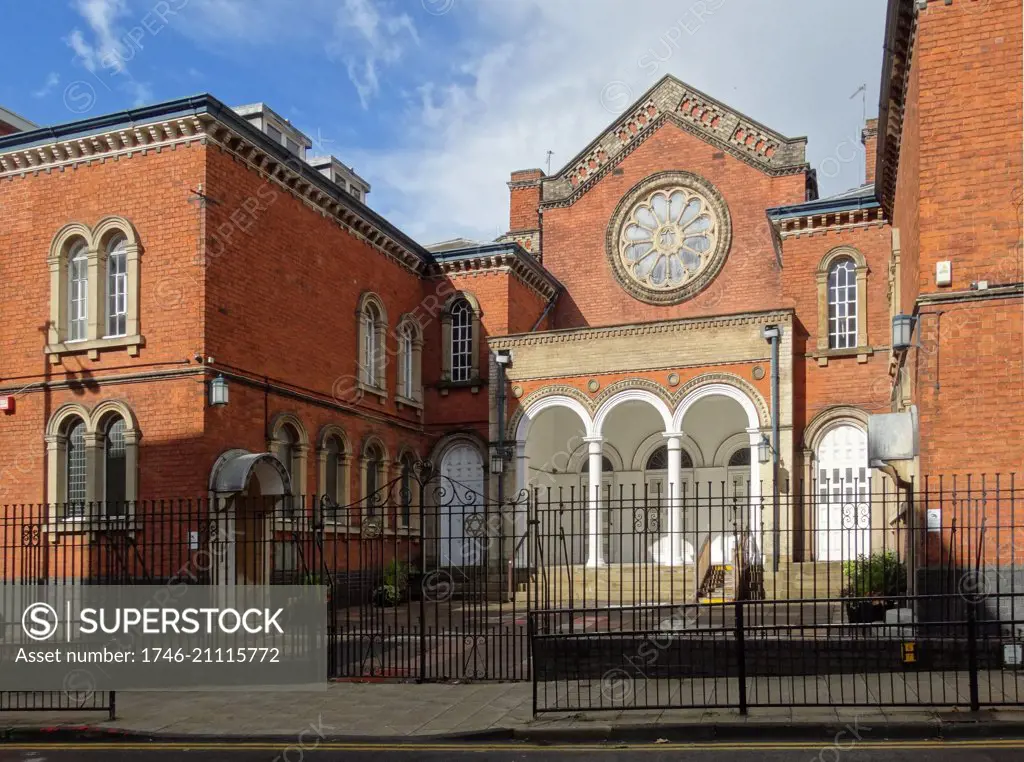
{"type": "Point", "coordinates": [7, 403]}
{"type": "Point", "coordinates": [943, 273]}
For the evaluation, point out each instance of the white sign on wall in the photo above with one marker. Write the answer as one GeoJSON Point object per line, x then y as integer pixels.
{"type": "Point", "coordinates": [934, 519]}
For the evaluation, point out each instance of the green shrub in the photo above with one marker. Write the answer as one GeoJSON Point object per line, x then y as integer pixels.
{"type": "Point", "coordinates": [878, 575]}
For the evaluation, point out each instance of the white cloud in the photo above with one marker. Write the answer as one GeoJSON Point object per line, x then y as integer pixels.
{"type": "Point", "coordinates": [528, 77]}
{"type": "Point", "coordinates": [367, 36]}
{"type": "Point", "coordinates": [492, 85]}
{"type": "Point", "coordinates": [104, 50]}
{"type": "Point", "coordinates": [52, 80]}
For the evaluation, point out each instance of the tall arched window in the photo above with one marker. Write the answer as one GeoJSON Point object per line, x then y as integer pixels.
{"type": "Point", "coordinates": [115, 473]}
{"type": "Point", "coordinates": [462, 340]}
{"type": "Point", "coordinates": [78, 292]}
{"type": "Point", "coordinates": [408, 494]}
{"type": "Point", "coordinates": [371, 348]}
{"type": "Point", "coordinates": [842, 304]}
{"type": "Point", "coordinates": [117, 286]}
{"type": "Point", "coordinates": [75, 472]}
{"type": "Point", "coordinates": [410, 344]}
{"type": "Point", "coordinates": [373, 467]}
{"type": "Point", "coordinates": [333, 479]}
{"type": "Point", "coordinates": [288, 454]}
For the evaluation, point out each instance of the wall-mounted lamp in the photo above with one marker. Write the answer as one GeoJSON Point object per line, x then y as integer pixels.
{"type": "Point", "coordinates": [499, 457]}
{"type": "Point", "coordinates": [902, 332]}
{"type": "Point", "coordinates": [218, 391]}
{"type": "Point", "coordinates": [764, 450]}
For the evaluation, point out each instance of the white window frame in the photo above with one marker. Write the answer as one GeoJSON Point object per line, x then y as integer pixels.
{"type": "Point", "coordinates": [116, 301]}
{"type": "Point", "coordinates": [842, 304]}
{"type": "Point", "coordinates": [78, 293]}
{"type": "Point", "coordinates": [462, 340]}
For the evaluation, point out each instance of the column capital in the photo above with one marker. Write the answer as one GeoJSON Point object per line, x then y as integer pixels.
{"type": "Point", "coordinates": [670, 435]}
{"type": "Point", "coordinates": [593, 439]}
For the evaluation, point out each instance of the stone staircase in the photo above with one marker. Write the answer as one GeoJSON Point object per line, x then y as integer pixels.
{"type": "Point", "coordinates": [809, 579]}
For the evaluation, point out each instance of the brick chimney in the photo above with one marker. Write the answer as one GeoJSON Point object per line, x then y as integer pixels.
{"type": "Point", "coordinates": [524, 202]}
{"type": "Point", "coordinates": [869, 137]}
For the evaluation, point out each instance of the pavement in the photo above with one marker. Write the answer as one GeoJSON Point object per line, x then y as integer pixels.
{"type": "Point", "coordinates": [475, 712]}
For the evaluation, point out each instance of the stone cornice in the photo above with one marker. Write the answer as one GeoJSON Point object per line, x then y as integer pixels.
{"type": "Point", "coordinates": [810, 224]}
{"type": "Point", "coordinates": [689, 109]}
{"type": "Point", "coordinates": [784, 316]}
{"type": "Point", "coordinates": [205, 121]}
{"type": "Point", "coordinates": [511, 260]}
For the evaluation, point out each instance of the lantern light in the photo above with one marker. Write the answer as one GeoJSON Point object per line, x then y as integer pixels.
{"type": "Point", "coordinates": [218, 391]}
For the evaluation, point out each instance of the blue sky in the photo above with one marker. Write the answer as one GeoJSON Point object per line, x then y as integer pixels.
{"type": "Point", "coordinates": [435, 102]}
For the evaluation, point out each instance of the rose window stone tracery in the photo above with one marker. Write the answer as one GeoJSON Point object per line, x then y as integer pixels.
{"type": "Point", "coordinates": [669, 237]}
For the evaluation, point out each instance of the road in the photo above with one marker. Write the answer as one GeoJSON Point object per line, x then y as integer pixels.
{"type": "Point", "coordinates": [907, 751]}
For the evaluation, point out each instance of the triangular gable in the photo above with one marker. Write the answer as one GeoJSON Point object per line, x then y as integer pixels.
{"type": "Point", "coordinates": [690, 109]}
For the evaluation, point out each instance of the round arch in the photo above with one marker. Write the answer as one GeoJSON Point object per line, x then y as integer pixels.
{"type": "Point", "coordinates": [578, 459]}
{"type": "Point", "coordinates": [720, 389]}
{"type": "Point", "coordinates": [632, 395]}
{"type": "Point", "coordinates": [830, 418]}
{"type": "Point", "coordinates": [281, 420]}
{"type": "Point", "coordinates": [333, 430]}
{"type": "Point", "coordinates": [656, 440]}
{"type": "Point", "coordinates": [59, 419]}
{"type": "Point", "coordinates": [448, 441]}
{"type": "Point", "coordinates": [109, 225]}
{"type": "Point", "coordinates": [113, 407]}
{"type": "Point", "coordinates": [729, 446]}
{"type": "Point", "coordinates": [66, 235]}
{"type": "Point", "coordinates": [839, 252]}
{"type": "Point", "coordinates": [531, 410]}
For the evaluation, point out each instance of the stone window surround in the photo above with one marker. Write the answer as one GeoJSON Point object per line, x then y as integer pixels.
{"type": "Point", "coordinates": [862, 351]}
{"type": "Point", "coordinates": [370, 443]}
{"type": "Point", "coordinates": [474, 383]}
{"type": "Point", "coordinates": [381, 328]}
{"type": "Point", "coordinates": [407, 454]}
{"type": "Point", "coordinates": [410, 397]}
{"type": "Point", "coordinates": [56, 459]}
{"type": "Point", "coordinates": [96, 240]}
{"type": "Point", "coordinates": [715, 258]}
{"type": "Point", "coordinates": [334, 521]}
{"type": "Point", "coordinates": [276, 445]}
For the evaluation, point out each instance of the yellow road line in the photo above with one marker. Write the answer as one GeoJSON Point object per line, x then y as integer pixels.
{"type": "Point", "coordinates": [514, 746]}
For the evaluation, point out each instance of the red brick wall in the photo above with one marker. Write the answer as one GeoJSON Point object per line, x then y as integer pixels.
{"type": "Point", "coordinates": [524, 201]}
{"type": "Point", "coordinates": [843, 380]}
{"type": "Point", "coordinates": [152, 192]}
{"type": "Point", "coordinates": [965, 105]}
{"type": "Point", "coordinates": [574, 236]}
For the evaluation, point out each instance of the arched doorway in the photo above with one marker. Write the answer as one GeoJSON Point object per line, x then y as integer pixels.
{"type": "Point", "coordinates": [843, 517]}
{"type": "Point", "coordinates": [462, 469]}
{"type": "Point", "coordinates": [247, 489]}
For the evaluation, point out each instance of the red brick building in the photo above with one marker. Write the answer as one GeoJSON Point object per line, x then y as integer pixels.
{"type": "Point", "coordinates": [676, 302]}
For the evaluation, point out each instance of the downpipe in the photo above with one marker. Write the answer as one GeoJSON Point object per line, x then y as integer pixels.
{"type": "Point", "coordinates": [773, 334]}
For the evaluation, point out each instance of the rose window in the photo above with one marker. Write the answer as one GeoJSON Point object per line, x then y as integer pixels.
{"type": "Point", "coordinates": [668, 238]}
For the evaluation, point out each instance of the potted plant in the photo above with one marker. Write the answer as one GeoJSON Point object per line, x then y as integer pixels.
{"type": "Point", "coordinates": [395, 584]}
{"type": "Point", "coordinates": [873, 583]}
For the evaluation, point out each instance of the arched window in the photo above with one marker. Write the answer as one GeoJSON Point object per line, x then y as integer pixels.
{"type": "Point", "coordinates": [78, 292]}
{"type": "Point", "coordinates": [408, 493]}
{"type": "Point", "coordinates": [740, 458]}
{"type": "Point", "coordinates": [373, 479]}
{"type": "Point", "coordinates": [117, 287]}
{"type": "Point", "coordinates": [462, 340]}
{"type": "Point", "coordinates": [115, 471]}
{"type": "Point", "coordinates": [75, 472]}
{"type": "Point", "coordinates": [288, 442]}
{"type": "Point", "coordinates": [606, 465]}
{"type": "Point", "coordinates": [658, 460]}
{"type": "Point", "coordinates": [410, 343]}
{"type": "Point", "coordinates": [334, 479]}
{"type": "Point", "coordinates": [371, 348]}
{"type": "Point", "coordinates": [842, 304]}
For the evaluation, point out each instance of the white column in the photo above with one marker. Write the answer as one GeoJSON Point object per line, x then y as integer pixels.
{"type": "Point", "coordinates": [672, 544]}
{"type": "Point", "coordinates": [594, 473]}
{"type": "Point", "coordinates": [754, 499]}
{"type": "Point", "coordinates": [521, 503]}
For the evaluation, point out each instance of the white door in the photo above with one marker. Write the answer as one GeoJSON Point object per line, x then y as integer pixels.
{"type": "Point", "coordinates": [844, 508]}
{"type": "Point", "coordinates": [461, 542]}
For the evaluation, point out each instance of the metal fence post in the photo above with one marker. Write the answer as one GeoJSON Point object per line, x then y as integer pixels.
{"type": "Point", "coordinates": [112, 706]}
{"type": "Point", "coordinates": [741, 658]}
{"type": "Point", "coordinates": [972, 653]}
